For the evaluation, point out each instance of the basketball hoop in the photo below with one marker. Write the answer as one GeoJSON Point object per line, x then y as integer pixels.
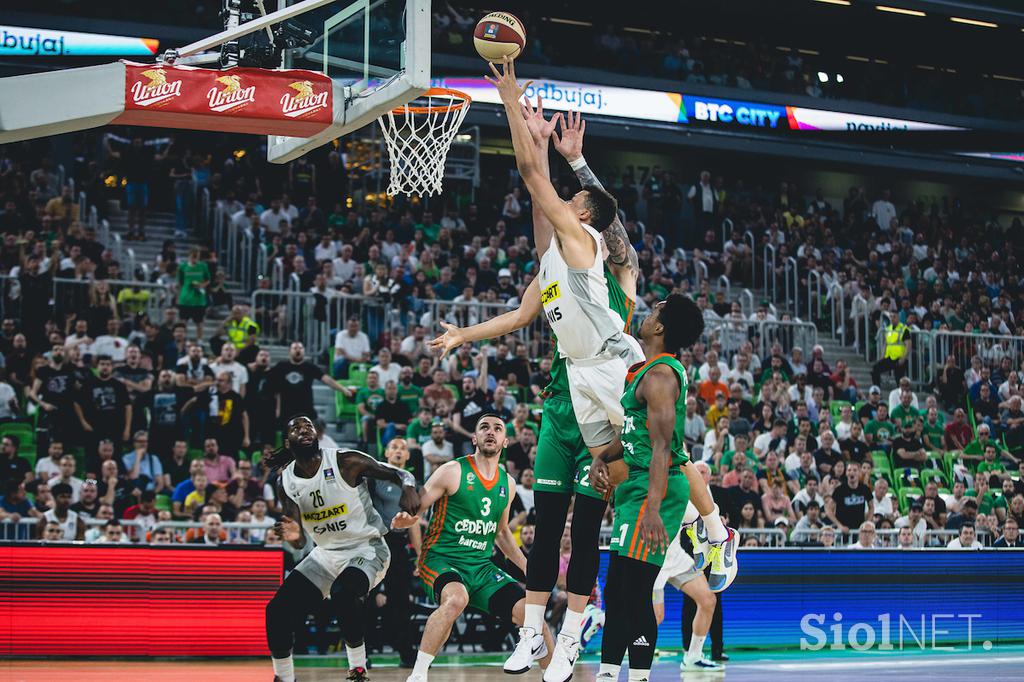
{"type": "Point", "coordinates": [419, 135]}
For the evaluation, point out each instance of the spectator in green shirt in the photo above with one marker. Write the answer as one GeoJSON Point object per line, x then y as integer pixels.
{"type": "Point", "coordinates": [367, 399]}
{"type": "Point", "coordinates": [193, 278]}
{"type": "Point", "coordinates": [905, 413]}
{"type": "Point", "coordinates": [408, 392]}
{"type": "Point", "coordinates": [879, 431]}
{"type": "Point", "coordinates": [988, 501]}
{"type": "Point", "coordinates": [419, 429]}
{"type": "Point", "coordinates": [741, 442]}
{"type": "Point", "coordinates": [933, 430]}
{"type": "Point", "coordinates": [976, 448]}
{"type": "Point", "coordinates": [991, 464]}
{"type": "Point", "coordinates": [431, 229]}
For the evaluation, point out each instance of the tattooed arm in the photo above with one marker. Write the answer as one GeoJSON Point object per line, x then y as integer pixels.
{"type": "Point", "coordinates": [622, 259]}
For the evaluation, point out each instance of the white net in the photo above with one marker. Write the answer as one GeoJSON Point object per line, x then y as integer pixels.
{"type": "Point", "coordinates": [418, 135]}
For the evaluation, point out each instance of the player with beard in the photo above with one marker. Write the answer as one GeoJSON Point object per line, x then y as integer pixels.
{"type": "Point", "coordinates": [332, 526]}
{"type": "Point", "coordinates": [470, 499]}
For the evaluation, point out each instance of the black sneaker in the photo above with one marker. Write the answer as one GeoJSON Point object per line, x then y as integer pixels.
{"type": "Point", "coordinates": [358, 675]}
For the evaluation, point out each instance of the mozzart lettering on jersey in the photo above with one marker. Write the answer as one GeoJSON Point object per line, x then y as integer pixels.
{"type": "Point", "coordinates": [674, 107]}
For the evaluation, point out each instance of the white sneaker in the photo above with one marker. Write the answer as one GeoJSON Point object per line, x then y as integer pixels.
{"type": "Point", "coordinates": [416, 678]}
{"type": "Point", "coordinates": [698, 535]}
{"type": "Point", "coordinates": [531, 647]}
{"type": "Point", "coordinates": [724, 564]}
{"type": "Point", "coordinates": [567, 650]}
{"type": "Point", "coordinates": [700, 664]}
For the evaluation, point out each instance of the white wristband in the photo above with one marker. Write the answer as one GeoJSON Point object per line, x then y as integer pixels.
{"type": "Point", "coordinates": [578, 163]}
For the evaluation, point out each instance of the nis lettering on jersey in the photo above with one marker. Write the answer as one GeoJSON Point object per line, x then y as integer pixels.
{"type": "Point", "coordinates": [330, 527]}
{"type": "Point", "coordinates": [324, 514]}
{"type": "Point", "coordinates": [550, 293]}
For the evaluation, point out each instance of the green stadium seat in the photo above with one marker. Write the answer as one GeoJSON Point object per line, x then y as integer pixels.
{"type": "Point", "coordinates": [163, 503]}
{"type": "Point", "coordinates": [357, 372]}
{"type": "Point", "coordinates": [928, 474]}
{"type": "Point", "coordinates": [906, 493]}
{"type": "Point", "coordinates": [836, 408]}
{"type": "Point", "coordinates": [195, 453]}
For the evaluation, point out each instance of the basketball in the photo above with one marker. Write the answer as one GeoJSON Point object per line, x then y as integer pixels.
{"type": "Point", "coordinates": [498, 35]}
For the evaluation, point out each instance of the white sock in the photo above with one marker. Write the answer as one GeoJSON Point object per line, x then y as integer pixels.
{"type": "Point", "coordinates": [610, 670]}
{"type": "Point", "coordinates": [696, 650]}
{"type": "Point", "coordinates": [284, 668]}
{"type": "Point", "coordinates": [534, 617]}
{"type": "Point", "coordinates": [690, 515]}
{"type": "Point", "coordinates": [639, 675]}
{"type": "Point", "coordinates": [423, 661]}
{"type": "Point", "coordinates": [356, 656]}
{"type": "Point", "coordinates": [716, 530]}
{"type": "Point", "coordinates": [571, 624]}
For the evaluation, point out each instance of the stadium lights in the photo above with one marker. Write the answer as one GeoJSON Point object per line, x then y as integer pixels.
{"type": "Point", "coordinates": [973, 22]}
{"type": "Point", "coordinates": [900, 10]}
{"type": "Point", "coordinates": [823, 77]}
{"type": "Point", "coordinates": [845, 3]}
{"type": "Point", "coordinates": [839, 78]}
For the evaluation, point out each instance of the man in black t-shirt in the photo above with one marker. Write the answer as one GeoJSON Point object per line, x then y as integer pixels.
{"type": "Point", "coordinates": [293, 379]}
{"type": "Point", "coordinates": [908, 449]}
{"type": "Point", "coordinates": [103, 409]}
{"type": "Point", "coordinates": [229, 423]}
{"type": "Point", "coordinates": [261, 401]}
{"type": "Point", "coordinates": [54, 392]}
{"type": "Point", "coordinates": [194, 379]}
{"type": "Point", "coordinates": [467, 412]}
{"type": "Point", "coordinates": [393, 415]}
{"type": "Point", "coordinates": [138, 380]}
{"type": "Point", "coordinates": [853, 448]}
{"type": "Point", "coordinates": [165, 402]}
{"type": "Point", "coordinates": [137, 166]}
{"type": "Point", "coordinates": [852, 500]}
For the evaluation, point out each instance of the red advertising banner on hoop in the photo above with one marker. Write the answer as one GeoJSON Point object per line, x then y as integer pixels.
{"type": "Point", "coordinates": [291, 102]}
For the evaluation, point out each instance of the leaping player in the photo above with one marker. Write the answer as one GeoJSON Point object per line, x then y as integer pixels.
{"type": "Point", "coordinates": [563, 459]}
{"type": "Point", "coordinates": [340, 540]}
{"type": "Point", "coordinates": [470, 497]}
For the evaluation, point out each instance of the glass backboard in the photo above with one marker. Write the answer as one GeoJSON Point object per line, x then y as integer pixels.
{"type": "Point", "coordinates": [377, 52]}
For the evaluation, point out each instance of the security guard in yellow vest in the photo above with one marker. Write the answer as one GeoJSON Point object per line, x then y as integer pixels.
{"type": "Point", "coordinates": [237, 328]}
{"type": "Point", "coordinates": [896, 352]}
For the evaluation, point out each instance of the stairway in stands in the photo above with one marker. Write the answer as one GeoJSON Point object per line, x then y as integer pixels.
{"type": "Point", "coordinates": [160, 227]}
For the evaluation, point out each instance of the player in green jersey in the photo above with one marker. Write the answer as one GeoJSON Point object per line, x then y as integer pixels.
{"type": "Point", "coordinates": [470, 499]}
{"type": "Point", "coordinates": [655, 493]}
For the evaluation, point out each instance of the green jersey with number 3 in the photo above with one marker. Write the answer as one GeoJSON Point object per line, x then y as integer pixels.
{"type": "Point", "coordinates": [636, 438]}
{"type": "Point", "coordinates": [463, 524]}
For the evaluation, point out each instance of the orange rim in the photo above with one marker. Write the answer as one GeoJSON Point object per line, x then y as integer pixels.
{"type": "Point", "coordinates": [432, 108]}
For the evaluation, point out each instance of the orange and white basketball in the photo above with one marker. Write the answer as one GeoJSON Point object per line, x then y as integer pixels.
{"type": "Point", "coordinates": [499, 34]}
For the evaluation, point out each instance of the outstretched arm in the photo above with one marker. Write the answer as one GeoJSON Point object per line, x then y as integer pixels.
{"type": "Point", "coordinates": [362, 465]}
{"type": "Point", "coordinates": [622, 258]}
{"type": "Point", "coordinates": [493, 328]}
{"type": "Point", "coordinates": [579, 247]}
{"type": "Point", "coordinates": [540, 131]}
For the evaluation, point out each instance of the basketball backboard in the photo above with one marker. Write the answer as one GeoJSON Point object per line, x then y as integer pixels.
{"type": "Point", "coordinates": [377, 52]}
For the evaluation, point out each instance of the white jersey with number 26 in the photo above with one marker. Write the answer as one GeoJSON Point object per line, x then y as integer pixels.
{"type": "Point", "coordinates": [334, 514]}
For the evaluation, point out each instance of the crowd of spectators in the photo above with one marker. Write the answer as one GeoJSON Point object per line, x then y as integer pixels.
{"type": "Point", "coordinates": [153, 419]}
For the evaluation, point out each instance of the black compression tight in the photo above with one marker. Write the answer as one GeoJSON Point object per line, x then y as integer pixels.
{"type": "Point", "coordinates": [629, 619]}
{"type": "Point", "coordinates": [542, 567]}
{"type": "Point", "coordinates": [297, 597]}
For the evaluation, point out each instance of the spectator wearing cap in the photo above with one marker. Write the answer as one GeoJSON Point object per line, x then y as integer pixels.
{"type": "Point", "coordinates": [968, 538]}
{"type": "Point", "coordinates": [914, 519]}
{"type": "Point", "coordinates": [1011, 535]}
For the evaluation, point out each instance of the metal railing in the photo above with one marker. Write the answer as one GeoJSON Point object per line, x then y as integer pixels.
{"type": "Point", "coordinates": [746, 299]}
{"type": "Point", "coordinates": [723, 283]}
{"type": "Point", "coordinates": [791, 276]}
{"type": "Point", "coordinates": [769, 284]}
{"type": "Point", "coordinates": [732, 333]}
{"type": "Point", "coordinates": [73, 294]}
{"type": "Point", "coordinates": [814, 295]}
{"type": "Point", "coordinates": [837, 310]}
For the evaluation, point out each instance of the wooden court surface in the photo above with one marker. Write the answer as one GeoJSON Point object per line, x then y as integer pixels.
{"type": "Point", "coordinates": [991, 667]}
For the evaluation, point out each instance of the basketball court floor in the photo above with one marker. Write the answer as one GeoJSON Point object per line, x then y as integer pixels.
{"type": "Point", "coordinates": [1004, 664]}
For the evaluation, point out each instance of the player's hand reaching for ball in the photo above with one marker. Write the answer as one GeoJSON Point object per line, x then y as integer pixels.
{"type": "Point", "coordinates": [288, 529]}
{"type": "Point", "coordinates": [505, 80]}
{"type": "Point", "coordinates": [449, 341]}
{"type": "Point", "coordinates": [652, 531]}
{"type": "Point", "coordinates": [540, 129]}
{"type": "Point", "coordinates": [404, 520]}
{"type": "Point", "coordinates": [569, 139]}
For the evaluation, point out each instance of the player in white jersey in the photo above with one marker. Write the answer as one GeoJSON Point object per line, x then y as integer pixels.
{"type": "Point", "coordinates": [71, 525]}
{"type": "Point", "coordinates": [571, 286]}
{"type": "Point", "coordinates": [680, 572]}
{"type": "Point", "coordinates": [339, 537]}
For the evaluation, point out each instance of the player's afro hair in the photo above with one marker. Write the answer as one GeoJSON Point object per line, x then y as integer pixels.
{"type": "Point", "coordinates": [603, 207]}
{"type": "Point", "coordinates": [683, 322]}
